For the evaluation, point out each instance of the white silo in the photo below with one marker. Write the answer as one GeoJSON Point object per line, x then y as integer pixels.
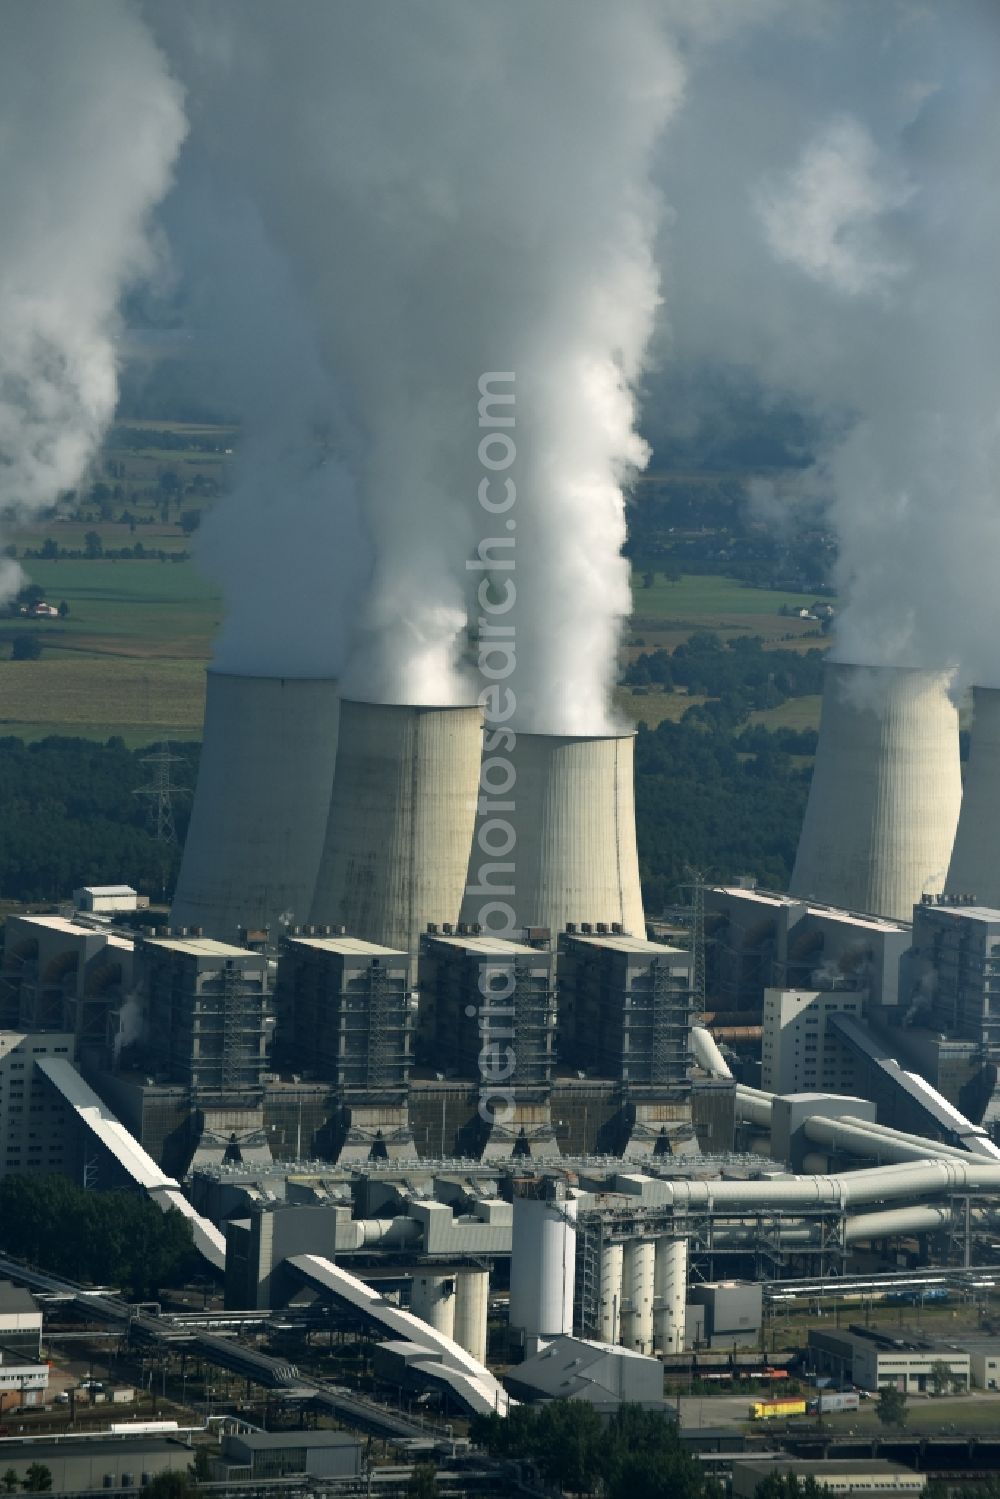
{"type": "Point", "coordinates": [886, 790]}
{"type": "Point", "coordinates": [975, 866]}
{"type": "Point", "coordinates": [637, 1295]}
{"type": "Point", "coordinates": [670, 1295]}
{"type": "Point", "coordinates": [256, 832]}
{"type": "Point", "coordinates": [610, 1310]}
{"type": "Point", "coordinates": [570, 804]}
{"type": "Point", "coordinates": [543, 1260]}
{"type": "Point", "coordinates": [401, 818]}
{"type": "Point", "coordinates": [432, 1299]}
{"type": "Point", "coordinates": [472, 1298]}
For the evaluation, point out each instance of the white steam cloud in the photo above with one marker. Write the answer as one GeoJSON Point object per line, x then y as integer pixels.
{"type": "Point", "coordinates": [841, 250]}
{"type": "Point", "coordinates": [90, 123]}
{"type": "Point", "coordinates": [449, 190]}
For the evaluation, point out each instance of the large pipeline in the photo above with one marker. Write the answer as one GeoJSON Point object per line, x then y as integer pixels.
{"type": "Point", "coordinates": [702, 1045]}
{"type": "Point", "coordinates": [859, 1137]}
{"type": "Point", "coordinates": [909, 1179]}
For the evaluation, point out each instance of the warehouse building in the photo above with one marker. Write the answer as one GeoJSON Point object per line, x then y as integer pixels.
{"type": "Point", "coordinates": [872, 1360]}
{"type": "Point", "coordinates": [261, 1455]}
{"type": "Point", "coordinates": [864, 1475]}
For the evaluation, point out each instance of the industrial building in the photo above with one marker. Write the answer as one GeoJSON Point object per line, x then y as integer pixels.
{"type": "Point", "coordinates": [974, 869]}
{"type": "Point", "coordinates": [252, 1456]}
{"type": "Point", "coordinates": [84, 1464]}
{"type": "Point", "coordinates": [205, 1018]}
{"type": "Point", "coordinates": [872, 1359]}
{"type": "Point", "coordinates": [801, 1051]}
{"type": "Point", "coordinates": [346, 1017]}
{"type": "Point", "coordinates": [601, 1374]}
{"type": "Point", "coordinates": [264, 781]}
{"type": "Point", "coordinates": [488, 1013]}
{"type": "Point", "coordinates": [760, 939]}
{"type": "Point", "coordinates": [20, 1321]}
{"type": "Point", "coordinates": [36, 1127]}
{"type": "Point", "coordinates": [59, 974]}
{"type": "Point", "coordinates": [859, 1475]}
{"type": "Point", "coordinates": [886, 791]}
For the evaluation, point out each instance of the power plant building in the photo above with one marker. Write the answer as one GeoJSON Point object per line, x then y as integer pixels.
{"type": "Point", "coordinates": [886, 791]}
{"type": "Point", "coordinates": [401, 818]}
{"type": "Point", "coordinates": [346, 1019]}
{"type": "Point", "coordinates": [490, 1009]}
{"type": "Point", "coordinates": [205, 1007]}
{"type": "Point", "coordinates": [801, 1051]}
{"type": "Point", "coordinates": [254, 841]}
{"type": "Point", "coordinates": [573, 854]}
{"type": "Point", "coordinates": [975, 868]}
{"type": "Point", "coordinates": [625, 1008]}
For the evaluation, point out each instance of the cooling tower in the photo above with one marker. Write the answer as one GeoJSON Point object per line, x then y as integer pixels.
{"type": "Point", "coordinates": [975, 860]}
{"type": "Point", "coordinates": [401, 820]}
{"type": "Point", "coordinates": [256, 833]}
{"type": "Point", "coordinates": [571, 808]}
{"type": "Point", "coordinates": [886, 791]}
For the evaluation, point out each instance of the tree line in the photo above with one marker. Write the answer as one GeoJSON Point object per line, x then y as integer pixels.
{"type": "Point", "coordinates": [100, 1237]}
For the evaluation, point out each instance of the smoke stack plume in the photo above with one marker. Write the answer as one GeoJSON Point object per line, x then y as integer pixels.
{"type": "Point", "coordinates": [90, 123]}
{"type": "Point", "coordinates": [256, 833]}
{"type": "Point", "coordinates": [401, 819]}
{"type": "Point", "coordinates": [885, 794]}
{"type": "Point", "coordinates": [570, 852]}
{"type": "Point", "coordinates": [975, 859]}
{"type": "Point", "coordinates": [470, 194]}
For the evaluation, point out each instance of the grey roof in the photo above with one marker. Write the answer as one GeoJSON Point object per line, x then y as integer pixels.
{"type": "Point", "coordinates": [805, 1467]}
{"type": "Point", "coordinates": [560, 1369]}
{"type": "Point", "coordinates": [265, 1441]}
{"type": "Point", "coordinates": [16, 1298]}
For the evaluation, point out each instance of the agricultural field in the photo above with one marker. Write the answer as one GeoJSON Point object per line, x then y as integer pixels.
{"type": "Point", "coordinates": [128, 656]}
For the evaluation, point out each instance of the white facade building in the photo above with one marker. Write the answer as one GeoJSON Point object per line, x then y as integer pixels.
{"type": "Point", "coordinates": [801, 1052]}
{"type": "Point", "coordinates": [34, 1120]}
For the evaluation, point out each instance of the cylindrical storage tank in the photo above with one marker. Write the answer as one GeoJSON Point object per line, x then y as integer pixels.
{"type": "Point", "coordinates": [886, 791]}
{"type": "Point", "coordinates": [254, 841]}
{"type": "Point", "coordinates": [610, 1310]}
{"type": "Point", "coordinates": [974, 868]}
{"type": "Point", "coordinates": [637, 1286]}
{"type": "Point", "coordinates": [401, 817]}
{"type": "Point", "coordinates": [472, 1299]}
{"type": "Point", "coordinates": [574, 858]}
{"type": "Point", "coordinates": [670, 1289]}
{"type": "Point", "coordinates": [543, 1259]}
{"type": "Point", "coordinates": [432, 1299]}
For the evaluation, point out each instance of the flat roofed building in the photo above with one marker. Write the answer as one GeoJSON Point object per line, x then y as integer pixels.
{"type": "Point", "coordinates": [20, 1320]}
{"type": "Point", "coordinates": [205, 1003]}
{"type": "Point", "coordinates": [872, 1360]}
{"type": "Point", "coordinates": [346, 1011]}
{"type": "Point", "coordinates": [107, 898]}
{"type": "Point", "coordinates": [801, 1052]}
{"type": "Point", "coordinates": [862, 1475]}
{"type": "Point", "coordinates": [83, 1464]}
{"type": "Point", "coordinates": [61, 975]}
{"type": "Point", "coordinates": [282, 1454]}
{"type": "Point", "coordinates": [485, 993]}
{"type": "Point", "coordinates": [36, 1125]}
{"type": "Point", "coordinates": [625, 1008]}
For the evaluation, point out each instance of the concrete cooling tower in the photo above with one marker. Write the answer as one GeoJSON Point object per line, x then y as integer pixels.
{"type": "Point", "coordinates": [975, 859]}
{"type": "Point", "coordinates": [401, 820]}
{"type": "Point", "coordinates": [574, 856]}
{"type": "Point", "coordinates": [256, 833]}
{"type": "Point", "coordinates": [886, 791]}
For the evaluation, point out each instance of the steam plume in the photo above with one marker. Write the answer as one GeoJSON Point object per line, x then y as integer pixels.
{"type": "Point", "coordinates": [454, 189]}
{"type": "Point", "coordinates": [90, 122]}
{"type": "Point", "coordinates": [842, 250]}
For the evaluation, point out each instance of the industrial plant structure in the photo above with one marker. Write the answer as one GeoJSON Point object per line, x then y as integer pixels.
{"type": "Point", "coordinates": [885, 795]}
{"type": "Point", "coordinates": [396, 847]}
{"type": "Point", "coordinates": [254, 841]}
{"type": "Point", "coordinates": [975, 867]}
{"type": "Point", "coordinates": [572, 857]}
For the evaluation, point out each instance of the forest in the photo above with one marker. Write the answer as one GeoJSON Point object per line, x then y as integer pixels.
{"type": "Point", "coordinates": [117, 1237]}
{"type": "Point", "coordinates": [704, 798]}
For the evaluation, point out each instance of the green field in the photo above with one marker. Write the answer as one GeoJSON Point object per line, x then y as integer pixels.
{"type": "Point", "coordinates": [129, 657]}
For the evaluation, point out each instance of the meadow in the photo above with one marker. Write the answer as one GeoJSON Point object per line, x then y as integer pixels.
{"type": "Point", "coordinates": [128, 659]}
